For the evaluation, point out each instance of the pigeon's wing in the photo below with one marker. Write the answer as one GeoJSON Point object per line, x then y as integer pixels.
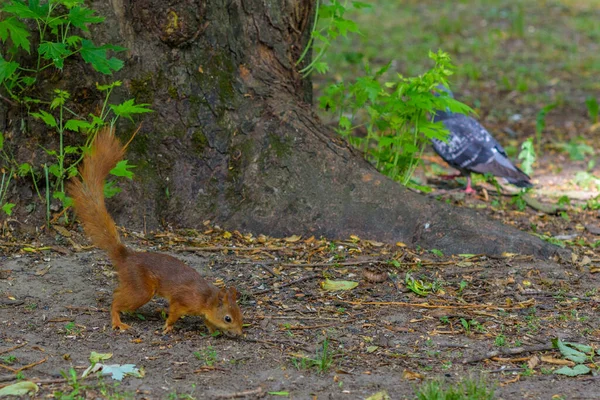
{"type": "Point", "coordinates": [471, 147]}
{"type": "Point", "coordinates": [468, 144]}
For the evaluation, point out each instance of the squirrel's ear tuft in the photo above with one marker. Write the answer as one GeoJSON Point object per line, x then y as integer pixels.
{"type": "Point", "coordinates": [233, 293]}
{"type": "Point", "coordinates": [222, 296]}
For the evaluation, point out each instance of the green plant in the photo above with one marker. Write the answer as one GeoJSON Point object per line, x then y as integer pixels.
{"type": "Point", "coordinates": [577, 149]}
{"type": "Point", "coordinates": [540, 125]}
{"type": "Point", "coordinates": [466, 389]}
{"type": "Point", "coordinates": [56, 23]}
{"type": "Point", "coordinates": [322, 361]}
{"type": "Point", "coordinates": [593, 109]}
{"type": "Point", "coordinates": [72, 329]}
{"type": "Point", "coordinates": [527, 156]}
{"type": "Point", "coordinates": [8, 359]}
{"type": "Point", "coordinates": [6, 206]}
{"type": "Point", "coordinates": [500, 340]}
{"type": "Point", "coordinates": [329, 23]}
{"type": "Point", "coordinates": [396, 114]}
{"type": "Point", "coordinates": [208, 356]}
{"type": "Point", "coordinates": [77, 389]}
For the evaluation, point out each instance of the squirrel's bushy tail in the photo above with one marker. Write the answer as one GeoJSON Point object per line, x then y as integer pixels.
{"type": "Point", "coordinates": [88, 194]}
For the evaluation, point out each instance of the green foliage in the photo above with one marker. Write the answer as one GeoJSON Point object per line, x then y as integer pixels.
{"type": "Point", "coordinates": [527, 156]}
{"type": "Point", "coordinates": [397, 115]}
{"type": "Point", "coordinates": [57, 22]}
{"type": "Point", "coordinates": [577, 149]}
{"type": "Point", "coordinates": [4, 183]}
{"type": "Point", "coordinates": [322, 361]}
{"type": "Point", "coordinates": [207, 356]}
{"type": "Point", "coordinates": [467, 389]}
{"type": "Point", "coordinates": [593, 109]}
{"type": "Point", "coordinates": [50, 32]}
{"type": "Point", "coordinates": [540, 124]}
{"type": "Point", "coordinates": [329, 24]}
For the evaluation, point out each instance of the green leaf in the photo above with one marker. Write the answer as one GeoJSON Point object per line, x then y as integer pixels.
{"type": "Point", "coordinates": [104, 88]}
{"type": "Point", "coordinates": [129, 108]}
{"type": "Point", "coordinates": [321, 67]}
{"type": "Point", "coordinates": [73, 40]}
{"type": "Point", "coordinates": [527, 156]}
{"type": "Point", "coordinates": [56, 52]}
{"type": "Point", "coordinates": [111, 189]}
{"type": "Point", "coordinates": [570, 353]}
{"type": "Point", "coordinates": [7, 208]}
{"type": "Point", "coordinates": [80, 16]}
{"type": "Point", "coordinates": [282, 393]}
{"type": "Point", "coordinates": [19, 389]}
{"type": "Point", "coordinates": [7, 68]}
{"type": "Point", "coordinates": [76, 124]}
{"type": "Point", "coordinates": [581, 347]}
{"type": "Point", "coordinates": [575, 371]}
{"type": "Point", "coordinates": [54, 170]}
{"type": "Point", "coordinates": [333, 286]}
{"type": "Point", "coordinates": [17, 31]}
{"type": "Point", "coordinates": [21, 10]}
{"type": "Point", "coordinates": [123, 169]}
{"type": "Point", "coordinates": [383, 395]}
{"type": "Point", "coordinates": [1, 141]}
{"type": "Point", "coordinates": [71, 150]}
{"type": "Point", "coordinates": [96, 56]}
{"type": "Point", "coordinates": [24, 169]}
{"type": "Point", "coordinates": [95, 357]}
{"type": "Point", "coordinates": [47, 118]}
{"type": "Point", "coordinates": [66, 200]}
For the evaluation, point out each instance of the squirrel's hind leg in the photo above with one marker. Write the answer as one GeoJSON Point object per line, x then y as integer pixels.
{"type": "Point", "coordinates": [128, 299]}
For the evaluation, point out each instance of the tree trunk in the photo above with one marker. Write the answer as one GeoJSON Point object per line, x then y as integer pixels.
{"type": "Point", "coordinates": [234, 139]}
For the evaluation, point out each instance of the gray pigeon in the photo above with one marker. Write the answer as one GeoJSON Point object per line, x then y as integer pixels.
{"type": "Point", "coordinates": [471, 148]}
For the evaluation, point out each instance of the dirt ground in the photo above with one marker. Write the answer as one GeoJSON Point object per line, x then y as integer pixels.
{"type": "Point", "coordinates": [381, 336]}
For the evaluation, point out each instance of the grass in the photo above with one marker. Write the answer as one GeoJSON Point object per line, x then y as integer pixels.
{"type": "Point", "coordinates": [322, 361]}
{"type": "Point", "coordinates": [466, 389]}
{"type": "Point", "coordinates": [545, 50]}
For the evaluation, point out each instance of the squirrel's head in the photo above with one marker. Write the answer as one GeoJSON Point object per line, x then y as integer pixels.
{"type": "Point", "coordinates": [227, 316]}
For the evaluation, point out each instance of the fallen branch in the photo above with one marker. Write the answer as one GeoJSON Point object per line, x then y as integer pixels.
{"type": "Point", "coordinates": [253, 392]}
{"type": "Point", "coordinates": [508, 352]}
{"type": "Point", "coordinates": [13, 348]}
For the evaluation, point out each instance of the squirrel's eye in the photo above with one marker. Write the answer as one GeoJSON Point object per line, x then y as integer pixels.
{"type": "Point", "coordinates": [228, 319]}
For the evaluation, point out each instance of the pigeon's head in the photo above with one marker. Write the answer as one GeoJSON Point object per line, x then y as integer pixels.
{"type": "Point", "coordinates": [441, 88]}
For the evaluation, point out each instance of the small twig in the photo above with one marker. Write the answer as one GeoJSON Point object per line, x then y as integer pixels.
{"type": "Point", "coordinates": [208, 368]}
{"type": "Point", "coordinates": [258, 391]}
{"type": "Point", "coordinates": [508, 352]}
{"type": "Point", "coordinates": [89, 309]}
{"type": "Point", "coordinates": [8, 368]}
{"type": "Point", "coordinates": [13, 348]}
{"type": "Point", "coordinates": [305, 278]}
{"type": "Point", "coordinates": [32, 364]}
{"type": "Point", "coordinates": [9, 101]}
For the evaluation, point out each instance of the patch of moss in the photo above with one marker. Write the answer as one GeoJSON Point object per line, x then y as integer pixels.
{"type": "Point", "coordinates": [143, 88]}
{"type": "Point", "coordinates": [280, 145]}
{"type": "Point", "coordinates": [199, 141]}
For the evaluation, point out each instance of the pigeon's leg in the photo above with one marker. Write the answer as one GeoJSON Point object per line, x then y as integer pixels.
{"type": "Point", "coordinates": [469, 189]}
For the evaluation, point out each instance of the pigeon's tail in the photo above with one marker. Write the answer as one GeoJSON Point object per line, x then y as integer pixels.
{"type": "Point", "coordinates": [503, 168]}
{"type": "Point", "coordinates": [524, 181]}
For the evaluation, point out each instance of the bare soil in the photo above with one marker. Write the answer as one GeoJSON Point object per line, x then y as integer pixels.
{"type": "Point", "coordinates": [54, 311]}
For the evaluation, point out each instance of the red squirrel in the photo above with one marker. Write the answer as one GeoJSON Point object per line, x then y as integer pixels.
{"type": "Point", "coordinates": [142, 275]}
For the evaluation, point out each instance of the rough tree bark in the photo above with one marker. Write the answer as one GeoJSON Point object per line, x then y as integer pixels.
{"type": "Point", "coordinates": [234, 138]}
